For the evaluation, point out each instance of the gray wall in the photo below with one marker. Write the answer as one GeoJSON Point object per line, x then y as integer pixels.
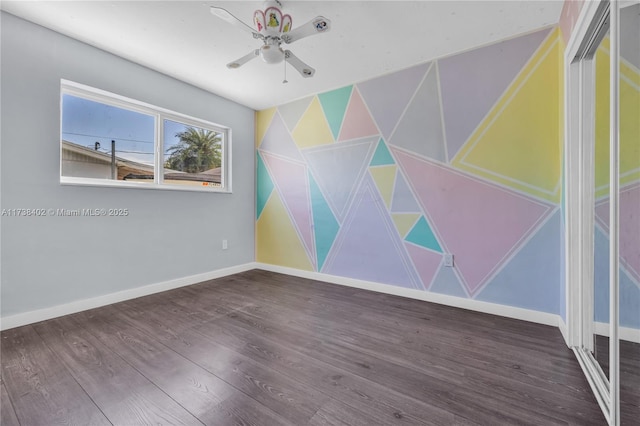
{"type": "Point", "coordinates": [47, 261]}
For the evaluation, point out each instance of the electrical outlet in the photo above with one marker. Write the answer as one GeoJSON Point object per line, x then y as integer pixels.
{"type": "Point", "coordinates": [448, 259]}
{"type": "Point", "coordinates": [224, 244]}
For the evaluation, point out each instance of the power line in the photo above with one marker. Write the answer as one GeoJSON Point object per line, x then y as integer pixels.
{"type": "Point", "coordinates": [135, 152]}
{"type": "Point", "coordinates": [106, 137]}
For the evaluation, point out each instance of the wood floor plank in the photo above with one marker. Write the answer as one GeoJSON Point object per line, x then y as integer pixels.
{"type": "Point", "coordinates": [41, 389]}
{"type": "Point", "coordinates": [451, 394]}
{"type": "Point", "coordinates": [191, 386]}
{"type": "Point", "coordinates": [209, 398]}
{"type": "Point", "coordinates": [240, 410]}
{"type": "Point", "coordinates": [334, 413]}
{"type": "Point", "coordinates": [7, 413]}
{"type": "Point", "coordinates": [362, 394]}
{"type": "Point", "coordinates": [464, 323]}
{"type": "Point", "coordinates": [412, 354]}
{"type": "Point", "coordinates": [504, 349]}
{"type": "Point", "coordinates": [287, 397]}
{"type": "Point", "coordinates": [359, 393]}
{"type": "Point", "coordinates": [427, 342]}
{"type": "Point", "coordinates": [122, 393]}
{"type": "Point", "coordinates": [412, 383]}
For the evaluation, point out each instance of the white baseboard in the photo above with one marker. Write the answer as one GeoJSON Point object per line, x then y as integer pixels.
{"type": "Point", "coordinates": [120, 296]}
{"type": "Point", "coordinates": [624, 333]}
{"type": "Point", "coordinates": [31, 317]}
{"type": "Point", "coordinates": [443, 299]}
{"type": "Point", "coordinates": [563, 330]}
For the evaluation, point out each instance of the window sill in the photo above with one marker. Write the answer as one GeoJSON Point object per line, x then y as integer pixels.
{"type": "Point", "coordinates": [74, 181]}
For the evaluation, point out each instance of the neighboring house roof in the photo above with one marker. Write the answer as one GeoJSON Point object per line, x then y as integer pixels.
{"type": "Point", "coordinates": [105, 157]}
{"type": "Point", "coordinates": [133, 170]}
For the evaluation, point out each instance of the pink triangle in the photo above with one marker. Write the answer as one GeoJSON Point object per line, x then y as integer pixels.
{"type": "Point", "coordinates": [629, 227]}
{"type": "Point", "coordinates": [291, 180]}
{"type": "Point", "coordinates": [481, 224]}
{"type": "Point", "coordinates": [425, 261]}
{"type": "Point", "coordinates": [357, 120]}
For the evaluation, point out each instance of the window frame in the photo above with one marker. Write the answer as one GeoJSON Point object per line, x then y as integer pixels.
{"type": "Point", "coordinates": [159, 115]}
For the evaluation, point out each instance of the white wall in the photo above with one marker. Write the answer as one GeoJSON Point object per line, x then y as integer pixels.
{"type": "Point", "coordinates": [49, 261]}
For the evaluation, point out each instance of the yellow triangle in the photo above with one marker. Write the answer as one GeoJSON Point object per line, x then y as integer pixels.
{"type": "Point", "coordinates": [263, 119]}
{"type": "Point", "coordinates": [629, 122]}
{"type": "Point", "coordinates": [404, 222]}
{"type": "Point", "coordinates": [518, 144]}
{"type": "Point", "coordinates": [385, 179]}
{"type": "Point", "coordinates": [277, 241]}
{"type": "Point", "coordinates": [312, 129]}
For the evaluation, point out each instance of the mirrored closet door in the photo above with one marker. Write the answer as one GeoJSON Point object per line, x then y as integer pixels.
{"type": "Point", "coordinates": [629, 214]}
{"type": "Point", "coordinates": [603, 203]}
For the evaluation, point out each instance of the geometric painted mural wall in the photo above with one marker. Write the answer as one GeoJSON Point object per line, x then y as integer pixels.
{"type": "Point", "coordinates": [462, 155]}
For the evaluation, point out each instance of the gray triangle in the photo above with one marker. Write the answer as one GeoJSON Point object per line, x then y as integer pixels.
{"type": "Point", "coordinates": [420, 128]}
{"type": "Point", "coordinates": [277, 140]}
{"type": "Point", "coordinates": [446, 282]}
{"type": "Point", "coordinates": [403, 200]}
{"type": "Point", "coordinates": [338, 169]}
{"type": "Point", "coordinates": [293, 111]}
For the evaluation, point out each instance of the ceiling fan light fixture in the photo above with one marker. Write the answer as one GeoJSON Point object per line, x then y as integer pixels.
{"type": "Point", "coordinates": [271, 54]}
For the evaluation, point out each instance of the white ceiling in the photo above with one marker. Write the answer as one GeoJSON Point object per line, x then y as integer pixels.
{"type": "Point", "coordinates": [368, 38]}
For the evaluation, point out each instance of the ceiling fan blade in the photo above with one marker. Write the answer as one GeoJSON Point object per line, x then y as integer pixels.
{"type": "Point", "coordinates": [241, 61]}
{"type": "Point", "coordinates": [225, 15]}
{"type": "Point", "coordinates": [317, 25]}
{"type": "Point", "coordinates": [305, 70]}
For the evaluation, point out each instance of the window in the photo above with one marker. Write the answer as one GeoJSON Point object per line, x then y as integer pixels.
{"type": "Point", "coordinates": [192, 154]}
{"type": "Point", "coordinates": [110, 140]}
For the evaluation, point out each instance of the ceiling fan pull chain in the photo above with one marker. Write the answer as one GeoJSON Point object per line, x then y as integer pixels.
{"type": "Point", "coordinates": [285, 71]}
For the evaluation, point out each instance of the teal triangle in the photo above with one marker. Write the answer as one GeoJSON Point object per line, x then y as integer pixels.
{"type": "Point", "coordinates": [382, 156]}
{"type": "Point", "coordinates": [325, 225]}
{"type": "Point", "coordinates": [422, 235]}
{"type": "Point", "coordinates": [264, 186]}
{"type": "Point", "coordinates": [334, 104]}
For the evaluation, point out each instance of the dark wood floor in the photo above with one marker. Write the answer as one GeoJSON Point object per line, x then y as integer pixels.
{"type": "Point", "coordinates": [260, 348]}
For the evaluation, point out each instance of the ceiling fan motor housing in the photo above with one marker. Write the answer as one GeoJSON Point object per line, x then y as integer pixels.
{"type": "Point", "coordinates": [272, 53]}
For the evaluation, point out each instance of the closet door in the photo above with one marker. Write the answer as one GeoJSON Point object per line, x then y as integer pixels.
{"type": "Point", "coordinates": [603, 193]}
{"type": "Point", "coordinates": [591, 140]}
{"type": "Point", "coordinates": [598, 131]}
{"type": "Point", "coordinates": [629, 214]}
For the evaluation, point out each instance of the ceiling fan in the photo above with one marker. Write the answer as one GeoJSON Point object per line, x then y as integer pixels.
{"type": "Point", "coordinates": [274, 28]}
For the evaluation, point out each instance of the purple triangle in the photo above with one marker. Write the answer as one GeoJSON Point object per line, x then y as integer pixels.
{"type": "Point", "coordinates": [472, 82]}
{"type": "Point", "coordinates": [388, 96]}
{"type": "Point", "coordinates": [368, 247]}
{"type": "Point", "coordinates": [277, 140]}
